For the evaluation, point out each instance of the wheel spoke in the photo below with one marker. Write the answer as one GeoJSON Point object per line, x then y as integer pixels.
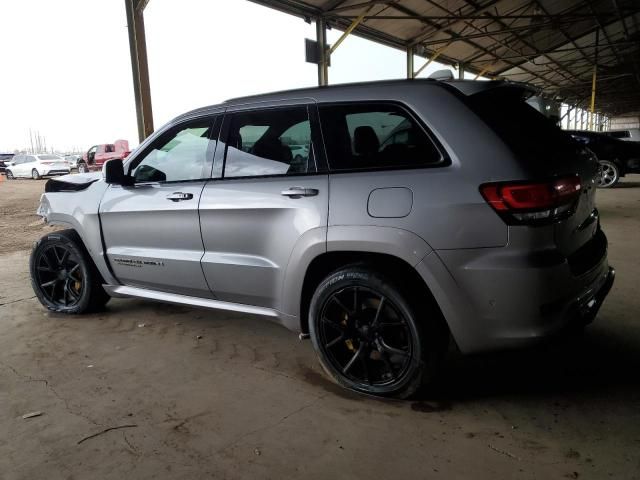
{"type": "Point", "coordinates": [65, 256]}
{"type": "Point", "coordinates": [355, 300]}
{"type": "Point", "coordinates": [388, 348]}
{"type": "Point", "coordinates": [335, 325]}
{"type": "Point", "coordinates": [341, 305]}
{"type": "Point", "coordinates": [52, 283]}
{"type": "Point", "coordinates": [67, 287]}
{"type": "Point", "coordinates": [64, 292]}
{"type": "Point", "coordinates": [349, 364]}
{"type": "Point", "coordinates": [385, 359]}
{"type": "Point", "coordinates": [378, 311]}
{"type": "Point", "coordinates": [335, 341]}
{"type": "Point", "coordinates": [365, 369]}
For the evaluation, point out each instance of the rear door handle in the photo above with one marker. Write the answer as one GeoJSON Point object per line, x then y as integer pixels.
{"type": "Point", "coordinates": [297, 192]}
{"type": "Point", "coordinates": [179, 196]}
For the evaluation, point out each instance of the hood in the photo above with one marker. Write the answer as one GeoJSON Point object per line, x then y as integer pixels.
{"type": "Point", "coordinates": [73, 182]}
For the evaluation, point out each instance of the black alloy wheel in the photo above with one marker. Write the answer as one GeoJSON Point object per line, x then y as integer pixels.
{"type": "Point", "coordinates": [63, 275]}
{"type": "Point", "coordinates": [372, 334]}
{"type": "Point", "coordinates": [58, 274]}
{"type": "Point", "coordinates": [365, 337]}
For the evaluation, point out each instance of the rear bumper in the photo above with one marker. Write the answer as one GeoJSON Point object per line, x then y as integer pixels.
{"type": "Point", "coordinates": [497, 299]}
{"type": "Point", "coordinates": [56, 171]}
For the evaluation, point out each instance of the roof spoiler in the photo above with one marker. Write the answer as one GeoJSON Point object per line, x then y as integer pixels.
{"type": "Point", "coordinates": [473, 87]}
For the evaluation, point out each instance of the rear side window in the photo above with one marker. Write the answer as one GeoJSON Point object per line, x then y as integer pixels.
{"type": "Point", "coordinates": [375, 136]}
{"type": "Point", "coordinates": [269, 142]}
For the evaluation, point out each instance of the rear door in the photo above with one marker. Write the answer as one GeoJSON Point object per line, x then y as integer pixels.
{"type": "Point", "coordinates": [264, 201]}
{"type": "Point", "coordinates": [152, 229]}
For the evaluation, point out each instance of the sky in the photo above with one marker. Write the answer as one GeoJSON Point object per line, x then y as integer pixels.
{"type": "Point", "coordinates": [66, 70]}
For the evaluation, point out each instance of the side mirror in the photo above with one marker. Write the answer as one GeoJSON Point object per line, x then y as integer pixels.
{"type": "Point", "coordinates": [113, 173]}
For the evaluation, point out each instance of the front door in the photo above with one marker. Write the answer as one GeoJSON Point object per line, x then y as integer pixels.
{"type": "Point", "coordinates": [152, 229]}
{"type": "Point", "coordinates": [263, 204]}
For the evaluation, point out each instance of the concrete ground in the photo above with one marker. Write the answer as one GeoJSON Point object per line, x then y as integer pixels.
{"type": "Point", "coordinates": [146, 390]}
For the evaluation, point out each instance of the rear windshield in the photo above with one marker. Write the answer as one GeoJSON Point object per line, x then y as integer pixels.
{"type": "Point", "coordinates": [49, 157]}
{"type": "Point", "coordinates": [526, 131]}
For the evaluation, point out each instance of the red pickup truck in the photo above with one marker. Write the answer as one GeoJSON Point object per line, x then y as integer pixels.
{"type": "Point", "coordinates": [95, 157]}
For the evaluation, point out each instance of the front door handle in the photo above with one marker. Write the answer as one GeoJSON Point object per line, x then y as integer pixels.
{"type": "Point", "coordinates": [297, 192]}
{"type": "Point", "coordinates": [179, 196]}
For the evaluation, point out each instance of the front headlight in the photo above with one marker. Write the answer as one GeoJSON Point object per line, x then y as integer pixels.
{"type": "Point", "coordinates": [44, 208]}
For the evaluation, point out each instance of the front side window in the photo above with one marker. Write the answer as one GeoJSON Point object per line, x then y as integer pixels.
{"type": "Point", "coordinates": [269, 142]}
{"type": "Point", "coordinates": [371, 136]}
{"type": "Point", "coordinates": [178, 155]}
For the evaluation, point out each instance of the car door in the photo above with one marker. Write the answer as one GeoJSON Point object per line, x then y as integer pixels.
{"type": "Point", "coordinates": [152, 229]}
{"type": "Point", "coordinates": [17, 164]}
{"type": "Point", "coordinates": [29, 162]}
{"type": "Point", "coordinates": [262, 203]}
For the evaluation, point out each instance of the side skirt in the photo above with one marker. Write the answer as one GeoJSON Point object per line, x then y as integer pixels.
{"type": "Point", "coordinates": [123, 291]}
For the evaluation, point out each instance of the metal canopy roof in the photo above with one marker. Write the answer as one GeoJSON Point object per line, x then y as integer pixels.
{"type": "Point", "coordinates": [553, 44]}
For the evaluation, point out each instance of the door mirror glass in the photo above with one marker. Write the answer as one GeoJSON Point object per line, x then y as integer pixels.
{"type": "Point", "coordinates": [113, 173]}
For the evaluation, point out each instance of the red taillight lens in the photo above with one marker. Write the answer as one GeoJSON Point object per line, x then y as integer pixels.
{"type": "Point", "coordinates": [532, 201]}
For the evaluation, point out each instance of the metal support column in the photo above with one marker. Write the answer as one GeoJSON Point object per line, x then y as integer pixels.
{"type": "Point", "coordinates": [323, 53]}
{"type": "Point", "coordinates": [140, 69]}
{"type": "Point", "coordinates": [461, 71]}
{"type": "Point", "coordinates": [593, 81]}
{"type": "Point", "coordinates": [410, 67]}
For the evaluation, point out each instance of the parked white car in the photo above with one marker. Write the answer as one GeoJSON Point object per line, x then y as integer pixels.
{"type": "Point", "coordinates": [36, 166]}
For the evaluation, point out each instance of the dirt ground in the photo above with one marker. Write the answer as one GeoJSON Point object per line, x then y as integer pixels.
{"type": "Point", "coordinates": [146, 390]}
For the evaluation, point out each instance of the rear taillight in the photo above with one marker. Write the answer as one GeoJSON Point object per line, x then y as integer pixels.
{"type": "Point", "coordinates": [533, 202]}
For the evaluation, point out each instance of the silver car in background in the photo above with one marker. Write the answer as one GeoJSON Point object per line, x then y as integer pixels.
{"type": "Point", "coordinates": [424, 212]}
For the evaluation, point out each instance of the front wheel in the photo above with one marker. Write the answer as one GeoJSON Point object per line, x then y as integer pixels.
{"type": "Point", "coordinates": [370, 337]}
{"type": "Point", "coordinates": [609, 174]}
{"type": "Point", "coordinates": [9, 175]}
{"type": "Point", "coordinates": [63, 275]}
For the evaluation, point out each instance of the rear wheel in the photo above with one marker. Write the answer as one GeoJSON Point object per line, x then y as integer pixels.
{"type": "Point", "coordinates": [82, 167]}
{"type": "Point", "coordinates": [370, 337]}
{"type": "Point", "coordinates": [9, 174]}
{"type": "Point", "coordinates": [63, 275]}
{"type": "Point", "coordinates": [609, 174]}
{"type": "Point", "coordinates": [35, 174]}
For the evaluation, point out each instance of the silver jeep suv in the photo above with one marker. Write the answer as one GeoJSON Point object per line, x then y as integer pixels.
{"type": "Point", "coordinates": [418, 212]}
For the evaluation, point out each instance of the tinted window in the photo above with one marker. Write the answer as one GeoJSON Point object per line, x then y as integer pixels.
{"type": "Point", "coordinates": [178, 155]}
{"type": "Point", "coordinates": [526, 131]}
{"type": "Point", "coordinates": [269, 142]}
{"type": "Point", "coordinates": [29, 158]}
{"type": "Point", "coordinates": [49, 157]}
{"type": "Point", "coordinates": [620, 134]}
{"type": "Point", "coordinates": [375, 136]}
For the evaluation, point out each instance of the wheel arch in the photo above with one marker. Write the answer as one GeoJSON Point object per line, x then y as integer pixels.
{"type": "Point", "coordinates": [404, 275]}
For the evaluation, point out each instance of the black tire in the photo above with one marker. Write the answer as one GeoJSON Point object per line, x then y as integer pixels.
{"type": "Point", "coordinates": [609, 174]}
{"type": "Point", "coordinates": [63, 275]}
{"type": "Point", "coordinates": [82, 167]}
{"type": "Point", "coordinates": [9, 175]}
{"type": "Point", "coordinates": [35, 174]}
{"type": "Point", "coordinates": [359, 358]}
